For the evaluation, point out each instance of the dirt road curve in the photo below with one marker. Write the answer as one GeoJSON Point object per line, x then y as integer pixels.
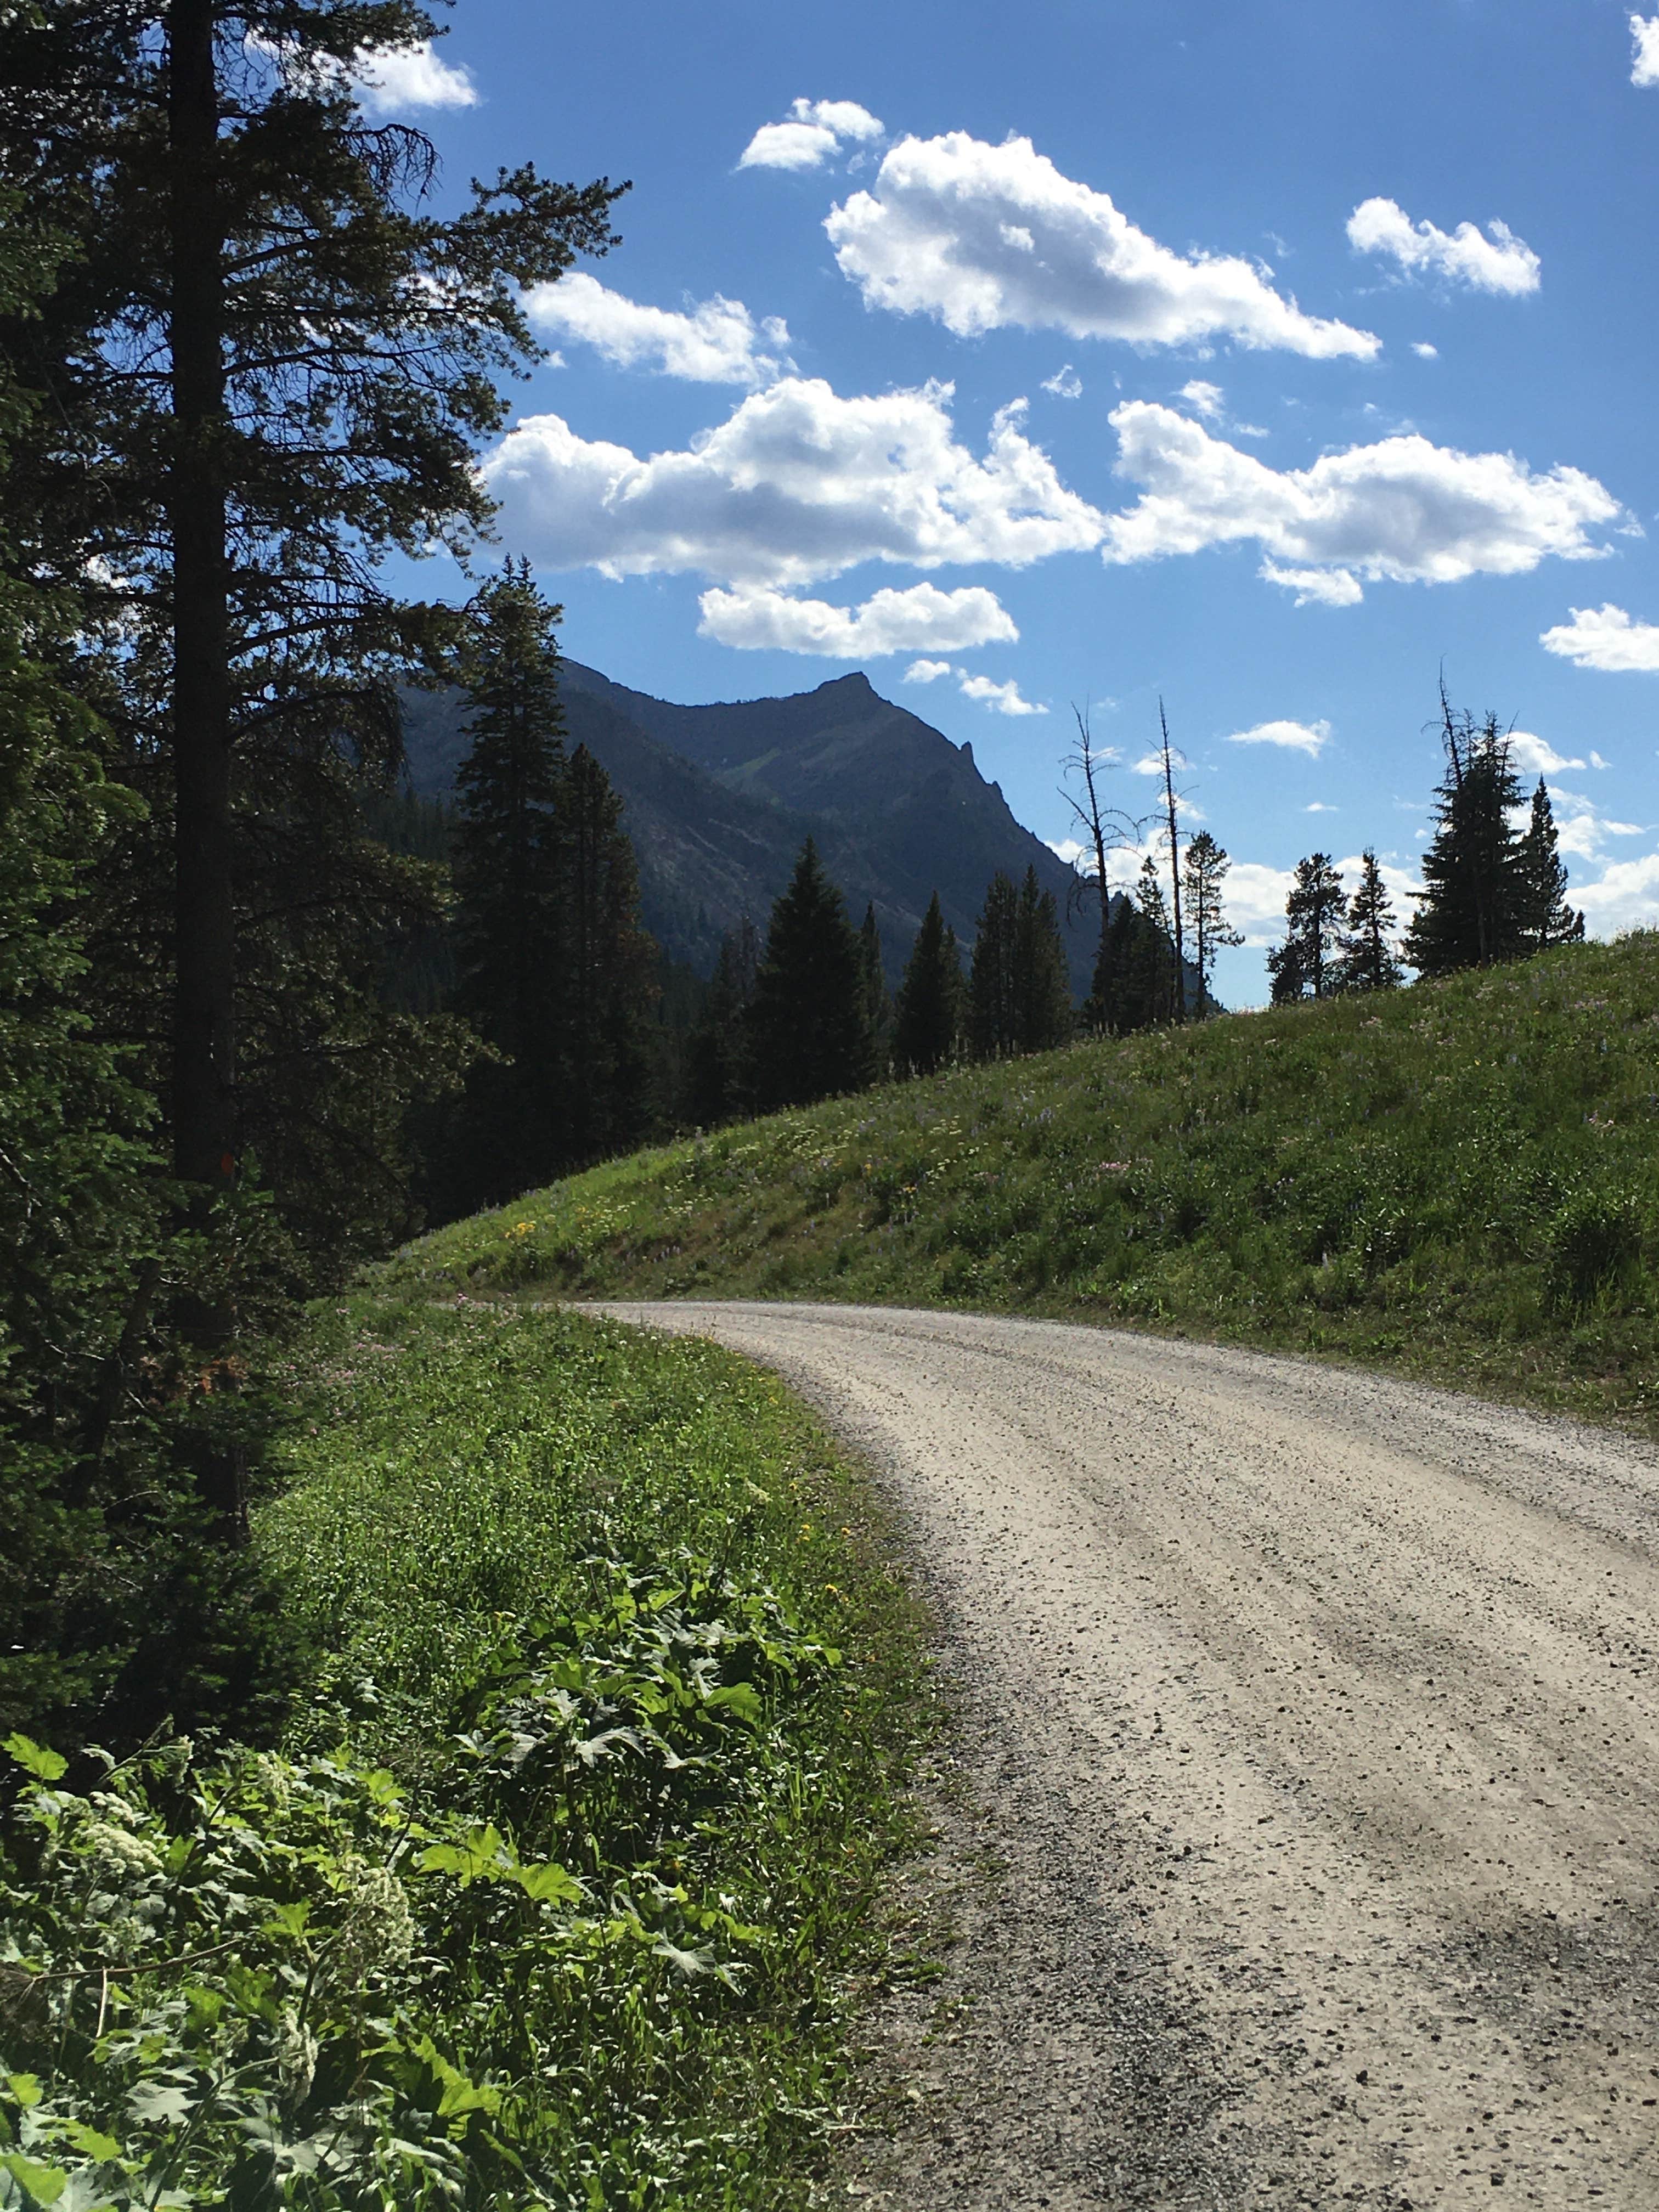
{"type": "Point", "coordinates": [1312, 1720]}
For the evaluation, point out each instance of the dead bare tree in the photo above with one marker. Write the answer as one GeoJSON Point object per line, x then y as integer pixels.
{"type": "Point", "coordinates": [1103, 829]}
{"type": "Point", "coordinates": [1171, 797]}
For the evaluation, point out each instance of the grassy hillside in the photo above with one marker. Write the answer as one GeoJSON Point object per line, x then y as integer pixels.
{"type": "Point", "coordinates": [1460, 1181]}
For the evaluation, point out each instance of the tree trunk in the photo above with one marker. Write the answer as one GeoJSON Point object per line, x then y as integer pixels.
{"type": "Point", "coordinates": [205, 922]}
{"type": "Point", "coordinates": [204, 1069]}
{"type": "Point", "coordinates": [1180, 1007]}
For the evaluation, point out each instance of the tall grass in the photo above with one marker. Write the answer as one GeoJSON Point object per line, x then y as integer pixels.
{"type": "Point", "coordinates": [1460, 1181]}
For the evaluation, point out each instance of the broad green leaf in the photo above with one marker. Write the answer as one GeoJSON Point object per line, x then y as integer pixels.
{"type": "Point", "coordinates": [41, 2184]}
{"type": "Point", "coordinates": [45, 1765]}
{"type": "Point", "coordinates": [163, 2102]}
{"type": "Point", "coordinates": [25, 2089]}
{"type": "Point", "coordinates": [89, 2141]}
{"type": "Point", "coordinates": [743, 1698]}
{"type": "Point", "coordinates": [549, 1884]}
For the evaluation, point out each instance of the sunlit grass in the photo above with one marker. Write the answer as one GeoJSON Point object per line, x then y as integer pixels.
{"type": "Point", "coordinates": [1460, 1181]}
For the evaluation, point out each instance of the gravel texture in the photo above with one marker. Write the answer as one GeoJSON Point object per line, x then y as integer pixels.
{"type": "Point", "coordinates": [1304, 1849]}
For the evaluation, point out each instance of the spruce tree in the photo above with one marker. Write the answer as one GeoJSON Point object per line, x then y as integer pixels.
{"type": "Point", "coordinates": [807, 1034]}
{"type": "Point", "coordinates": [993, 980]}
{"type": "Point", "coordinates": [1546, 917]}
{"type": "Point", "coordinates": [509, 787]}
{"type": "Point", "coordinates": [1314, 913]}
{"type": "Point", "coordinates": [271, 363]}
{"type": "Point", "coordinates": [1043, 991]}
{"type": "Point", "coordinates": [878, 999]}
{"type": "Point", "coordinates": [929, 999]}
{"type": "Point", "coordinates": [1204, 872]}
{"type": "Point", "coordinates": [719, 1087]}
{"type": "Point", "coordinates": [1367, 960]}
{"type": "Point", "coordinates": [1150, 983]}
{"type": "Point", "coordinates": [607, 971]}
{"type": "Point", "coordinates": [1472, 911]}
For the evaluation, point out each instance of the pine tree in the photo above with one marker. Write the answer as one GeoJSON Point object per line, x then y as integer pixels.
{"type": "Point", "coordinates": [930, 999]}
{"type": "Point", "coordinates": [993, 979]}
{"type": "Point", "coordinates": [1546, 917]}
{"type": "Point", "coordinates": [607, 971]}
{"type": "Point", "coordinates": [1367, 960]}
{"type": "Point", "coordinates": [807, 1034]}
{"type": "Point", "coordinates": [719, 1087]}
{"type": "Point", "coordinates": [270, 363]}
{"type": "Point", "coordinates": [1314, 913]}
{"type": "Point", "coordinates": [878, 999]}
{"type": "Point", "coordinates": [1205, 870]}
{"type": "Point", "coordinates": [510, 784]}
{"type": "Point", "coordinates": [1472, 910]}
{"type": "Point", "coordinates": [1152, 981]}
{"type": "Point", "coordinates": [1042, 990]}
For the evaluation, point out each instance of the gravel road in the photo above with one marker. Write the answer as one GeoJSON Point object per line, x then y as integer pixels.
{"type": "Point", "coordinates": [1311, 1729]}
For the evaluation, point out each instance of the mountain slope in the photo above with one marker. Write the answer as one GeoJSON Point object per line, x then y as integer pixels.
{"type": "Point", "coordinates": [718, 799]}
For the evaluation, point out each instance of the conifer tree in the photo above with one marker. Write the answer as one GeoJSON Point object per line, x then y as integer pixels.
{"type": "Point", "coordinates": [993, 1025]}
{"type": "Point", "coordinates": [1151, 983]}
{"type": "Point", "coordinates": [1471, 912]}
{"type": "Point", "coordinates": [607, 969]}
{"type": "Point", "coordinates": [807, 1033]}
{"type": "Point", "coordinates": [508, 875]}
{"type": "Point", "coordinates": [1546, 917]}
{"type": "Point", "coordinates": [273, 362]}
{"type": "Point", "coordinates": [878, 999]}
{"type": "Point", "coordinates": [1368, 961]}
{"type": "Point", "coordinates": [1043, 992]}
{"type": "Point", "coordinates": [1204, 872]}
{"type": "Point", "coordinates": [719, 1086]}
{"type": "Point", "coordinates": [1313, 911]}
{"type": "Point", "coordinates": [930, 999]}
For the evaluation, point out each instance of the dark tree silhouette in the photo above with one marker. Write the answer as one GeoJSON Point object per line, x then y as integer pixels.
{"type": "Point", "coordinates": [808, 1036]}
{"type": "Point", "coordinates": [1546, 917]}
{"type": "Point", "coordinates": [1204, 871]}
{"type": "Point", "coordinates": [928, 1021]}
{"type": "Point", "coordinates": [1368, 960]}
{"type": "Point", "coordinates": [1473, 907]}
{"type": "Point", "coordinates": [1304, 965]}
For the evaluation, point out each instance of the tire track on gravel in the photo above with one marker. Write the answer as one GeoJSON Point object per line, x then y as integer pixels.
{"type": "Point", "coordinates": [1311, 1721]}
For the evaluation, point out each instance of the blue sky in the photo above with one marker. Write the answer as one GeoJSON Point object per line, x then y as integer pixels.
{"type": "Point", "coordinates": [1267, 356]}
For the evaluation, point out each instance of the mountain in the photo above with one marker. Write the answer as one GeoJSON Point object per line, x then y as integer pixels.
{"type": "Point", "coordinates": [717, 799]}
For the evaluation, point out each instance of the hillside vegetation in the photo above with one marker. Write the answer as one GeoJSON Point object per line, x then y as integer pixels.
{"type": "Point", "coordinates": [558, 1887]}
{"type": "Point", "coordinates": [1460, 1181]}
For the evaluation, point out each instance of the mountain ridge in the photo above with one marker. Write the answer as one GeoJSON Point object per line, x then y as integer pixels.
{"type": "Point", "coordinates": [718, 797]}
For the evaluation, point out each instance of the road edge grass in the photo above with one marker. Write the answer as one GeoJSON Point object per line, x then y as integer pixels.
{"type": "Point", "coordinates": [1457, 1183]}
{"type": "Point", "coordinates": [790, 1508]}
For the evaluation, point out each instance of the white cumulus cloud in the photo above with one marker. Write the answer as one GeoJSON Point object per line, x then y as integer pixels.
{"type": "Point", "coordinates": [1294, 737]}
{"type": "Point", "coordinates": [1606, 638]}
{"type": "Point", "coordinates": [1500, 263]}
{"type": "Point", "coordinates": [926, 672]}
{"type": "Point", "coordinates": [796, 485]}
{"type": "Point", "coordinates": [390, 80]}
{"type": "Point", "coordinates": [922, 619]}
{"type": "Point", "coordinates": [716, 342]}
{"type": "Point", "coordinates": [1424, 350]}
{"type": "Point", "coordinates": [810, 137]}
{"type": "Point", "coordinates": [985, 236]}
{"type": "Point", "coordinates": [1533, 756]}
{"type": "Point", "coordinates": [1625, 897]}
{"type": "Point", "coordinates": [1644, 54]}
{"type": "Point", "coordinates": [1065, 383]}
{"type": "Point", "coordinates": [1314, 587]}
{"type": "Point", "coordinates": [1000, 698]}
{"type": "Point", "coordinates": [1203, 398]}
{"type": "Point", "coordinates": [1403, 509]}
